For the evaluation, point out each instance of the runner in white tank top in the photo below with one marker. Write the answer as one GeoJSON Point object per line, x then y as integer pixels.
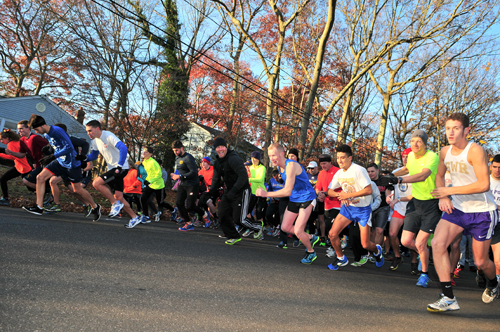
{"type": "Point", "coordinates": [471, 209]}
{"type": "Point", "coordinates": [462, 174]}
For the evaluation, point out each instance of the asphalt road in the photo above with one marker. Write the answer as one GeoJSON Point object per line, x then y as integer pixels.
{"type": "Point", "coordinates": [63, 272]}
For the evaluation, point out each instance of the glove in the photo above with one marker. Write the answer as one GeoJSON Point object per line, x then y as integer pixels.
{"type": "Point", "coordinates": [47, 160]}
{"type": "Point", "coordinates": [81, 157]}
{"type": "Point", "coordinates": [385, 181]}
{"type": "Point", "coordinates": [146, 183]}
{"type": "Point", "coordinates": [47, 150]}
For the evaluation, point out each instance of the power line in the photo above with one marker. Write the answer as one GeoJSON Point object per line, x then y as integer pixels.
{"type": "Point", "coordinates": [285, 104]}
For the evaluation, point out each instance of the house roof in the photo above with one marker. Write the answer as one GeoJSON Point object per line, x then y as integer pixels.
{"type": "Point", "coordinates": [242, 144]}
{"type": "Point", "coordinates": [15, 109]}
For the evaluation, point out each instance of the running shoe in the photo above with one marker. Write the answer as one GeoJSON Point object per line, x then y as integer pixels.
{"type": "Point", "coordinates": [282, 245]}
{"type": "Point", "coordinates": [330, 252]}
{"type": "Point", "coordinates": [47, 197]}
{"type": "Point", "coordinates": [4, 201]}
{"type": "Point", "coordinates": [379, 259]}
{"type": "Point", "coordinates": [261, 237]}
{"type": "Point", "coordinates": [157, 216]}
{"type": "Point", "coordinates": [490, 294]}
{"type": "Point", "coordinates": [260, 233]}
{"type": "Point", "coordinates": [53, 207]}
{"type": "Point", "coordinates": [232, 241]}
{"type": "Point", "coordinates": [371, 259]}
{"type": "Point", "coordinates": [314, 239]}
{"type": "Point", "coordinates": [247, 233]}
{"type": "Point", "coordinates": [414, 268]}
{"type": "Point", "coordinates": [270, 231]}
{"type": "Point", "coordinates": [88, 211]}
{"type": "Point", "coordinates": [322, 242]}
{"type": "Point", "coordinates": [343, 242]}
{"type": "Point", "coordinates": [187, 227]}
{"type": "Point", "coordinates": [395, 263]}
{"type": "Point", "coordinates": [145, 220]}
{"type": "Point", "coordinates": [133, 222]}
{"type": "Point", "coordinates": [276, 231]}
{"type": "Point", "coordinates": [208, 223]}
{"type": "Point", "coordinates": [198, 223]}
{"type": "Point", "coordinates": [97, 213]}
{"type": "Point", "coordinates": [173, 214]}
{"type": "Point", "coordinates": [115, 209]}
{"type": "Point", "coordinates": [453, 283]}
{"type": "Point", "coordinates": [443, 304]}
{"type": "Point", "coordinates": [480, 279]}
{"type": "Point", "coordinates": [363, 260]}
{"type": "Point", "coordinates": [296, 243]}
{"type": "Point", "coordinates": [34, 209]}
{"type": "Point", "coordinates": [423, 280]}
{"type": "Point", "coordinates": [222, 236]}
{"type": "Point", "coordinates": [340, 262]}
{"type": "Point", "coordinates": [309, 258]}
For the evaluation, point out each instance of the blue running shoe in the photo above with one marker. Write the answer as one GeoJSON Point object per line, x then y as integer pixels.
{"type": "Point", "coordinates": [187, 227]}
{"type": "Point", "coordinates": [314, 239]}
{"type": "Point", "coordinates": [339, 263]}
{"type": "Point", "coordinates": [309, 258]}
{"type": "Point", "coordinates": [379, 259]}
{"type": "Point", "coordinates": [173, 214]}
{"type": "Point", "coordinates": [423, 280]}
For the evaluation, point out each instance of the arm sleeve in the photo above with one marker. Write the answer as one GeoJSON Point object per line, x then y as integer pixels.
{"type": "Point", "coordinates": [215, 181]}
{"type": "Point", "coordinates": [93, 155]}
{"type": "Point", "coordinates": [376, 199]}
{"type": "Point", "coordinates": [123, 153]}
{"type": "Point", "coordinates": [6, 156]}
{"type": "Point", "coordinates": [260, 175]}
{"type": "Point", "coordinates": [237, 165]}
{"type": "Point", "coordinates": [67, 146]}
{"type": "Point", "coordinates": [193, 169]}
{"type": "Point", "coordinates": [80, 143]}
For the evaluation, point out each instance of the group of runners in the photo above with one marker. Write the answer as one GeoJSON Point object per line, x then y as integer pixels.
{"type": "Point", "coordinates": [415, 199]}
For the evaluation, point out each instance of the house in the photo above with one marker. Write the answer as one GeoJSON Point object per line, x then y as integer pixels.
{"type": "Point", "coordinates": [15, 109]}
{"type": "Point", "coordinates": [195, 142]}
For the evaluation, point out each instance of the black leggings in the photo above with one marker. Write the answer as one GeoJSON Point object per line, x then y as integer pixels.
{"type": "Point", "coordinates": [9, 175]}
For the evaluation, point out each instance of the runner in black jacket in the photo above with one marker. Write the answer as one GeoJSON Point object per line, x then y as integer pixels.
{"type": "Point", "coordinates": [233, 207]}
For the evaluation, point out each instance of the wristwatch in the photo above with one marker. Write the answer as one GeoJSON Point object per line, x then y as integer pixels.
{"type": "Point", "coordinates": [400, 180]}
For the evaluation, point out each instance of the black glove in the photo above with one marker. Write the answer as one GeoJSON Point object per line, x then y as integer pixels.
{"type": "Point", "coordinates": [385, 181]}
{"type": "Point", "coordinates": [47, 150]}
{"type": "Point", "coordinates": [146, 183]}
{"type": "Point", "coordinates": [47, 160]}
{"type": "Point", "coordinates": [81, 157]}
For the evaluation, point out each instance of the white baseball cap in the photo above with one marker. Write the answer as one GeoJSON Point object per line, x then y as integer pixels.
{"type": "Point", "coordinates": [312, 164]}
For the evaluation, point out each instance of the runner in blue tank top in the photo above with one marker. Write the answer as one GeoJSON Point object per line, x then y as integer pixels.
{"type": "Point", "coordinates": [302, 199]}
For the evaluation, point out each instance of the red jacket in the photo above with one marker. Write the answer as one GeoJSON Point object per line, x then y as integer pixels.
{"type": "Point", "coordinates": [130, 183]}
{"type": "Point", "coordinates": [21, 164]}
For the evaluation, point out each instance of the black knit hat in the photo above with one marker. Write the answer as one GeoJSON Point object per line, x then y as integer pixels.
{"type": "Point", "coordinates": [295, 152]}
{"type": "Point", "coordinates": [36, 121]}
{"type": "Point", "coordinates": [219, 141]}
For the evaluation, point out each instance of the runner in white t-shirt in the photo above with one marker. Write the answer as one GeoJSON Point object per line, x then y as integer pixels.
{"type": "Point", "coordinates": [356, 206]}
{"type": "Point", "coordinates": [115, 154]}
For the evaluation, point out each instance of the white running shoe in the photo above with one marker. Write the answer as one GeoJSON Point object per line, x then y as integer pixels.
{"type": "Point", "coordinates": [115, 209]}
{"type": "Point", "coordinates": [133, 222]}
{"type": "Point", "coordinates": [443, 304]}
{"type": "Point", "coordinates": [330, 253]}
{"type": "Point", "coordinates": [157, 216]}
{"type": "Point", "coordinates": [490, 294]}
